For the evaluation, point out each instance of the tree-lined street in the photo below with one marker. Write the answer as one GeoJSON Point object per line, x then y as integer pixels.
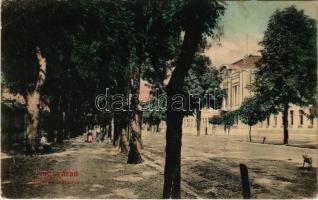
{"type": "Point", "coordinates": [74, 124]}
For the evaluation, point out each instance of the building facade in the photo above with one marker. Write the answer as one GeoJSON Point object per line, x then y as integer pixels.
{"type": "Point", "coordinates": [236, 79]}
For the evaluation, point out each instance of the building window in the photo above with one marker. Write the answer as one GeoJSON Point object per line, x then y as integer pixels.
{"type": "Point", "coordinates": [275, 120]}
{"type": "Point", "coordinates": [235, 96]}
{"type": "Point", "coordinates": [301, 117]}
{"type": "Point", "coordinates": [226, 98]}
{"type": "Point", "coordinates": [291, 113]}
{"type": "Point", "coordinates": [268, 121]}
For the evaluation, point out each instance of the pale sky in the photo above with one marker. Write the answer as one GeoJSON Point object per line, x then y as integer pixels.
{"type": "Point", "coordinates": [244, 23]}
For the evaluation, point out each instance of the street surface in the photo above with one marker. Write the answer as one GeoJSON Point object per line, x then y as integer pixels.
{"type": "Point", "coordinates": [210, 169]}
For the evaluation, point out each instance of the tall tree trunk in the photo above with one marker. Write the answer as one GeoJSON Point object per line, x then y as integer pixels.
{"type": "Point", "coordinates": [116, 130]}
{"type": "Point", "coordinates": [68, 121]}
{"type": "Point", "coordinates": [109, 130]}
{"type": "Point", "coordinates": [134, 156]}
{"type": "Point", "coordinates": [65, 118]}
{"type": "Point", "coordinates": [157, 128]}
{"type": "Point", "coordinates": [128, 133]}
{"type": "Point", "coordinates": [50, 137]}
{"type": "Point", "coordinates": [76, 127]}
{"type": "Point", "coordinates": [123, 139]}
{"type": "Point", "coordinates": [172, 172]}
{"type": "Point", "coordinates": [152, 129]}
{"type": "Point", "coordinates": [285, 123]}
{"type": "Point", "coordinates": [59, 121]}
{"type": "Point", "coordinates": [198, 120]}
{"type": "Point", "coordinates": [33, 102]}
{"type": "Point", "coordinates": [52, 121]}
{"type": "Point", "coordinates": [72, 120]}
{"type": "Point", "coordinates": [250, 133]}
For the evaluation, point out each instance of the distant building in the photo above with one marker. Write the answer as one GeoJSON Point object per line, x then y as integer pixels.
{"type": "Point", "coordinates": [144, 92]}
{"type": "Point", "coordinates": [13, 116]}
{"type": "Point", "coordinates": [236, 78]}
{"type": "Point", "coordinates": [14, 119]}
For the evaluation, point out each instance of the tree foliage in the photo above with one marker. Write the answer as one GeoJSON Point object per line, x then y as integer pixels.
{"type": "Point", "coordinates": [252, 111]}
{"type": "Point", "coordinates": [287, 70]}
{"type": "Point", "coordinates": [228, 119]}
{"type": "Point", "coordinates": [31, 24]}
{"type": "Point", "coordinates": [215, 120]}
{"type": "Point", "coordinates": [91, 45]}
{"type": "Point", "coordinates": [154, 112]}
{"type": "Point", "coordinates": [202, 85]}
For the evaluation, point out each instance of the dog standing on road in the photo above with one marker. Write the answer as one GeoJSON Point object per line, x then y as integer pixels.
{"type": "Point", "coordinates": [307, 159]}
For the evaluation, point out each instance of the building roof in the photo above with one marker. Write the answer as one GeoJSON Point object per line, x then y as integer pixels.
{"type": "Point", "coordinates": [248, 62]}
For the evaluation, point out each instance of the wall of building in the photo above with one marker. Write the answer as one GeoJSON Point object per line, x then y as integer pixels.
{"type": "Point", "coordinates": [236, 82]}
{"type": "Point", "coordinates": [12, 125]}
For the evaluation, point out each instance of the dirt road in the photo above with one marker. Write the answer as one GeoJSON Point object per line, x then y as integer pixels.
{"type": "Point", "coordinates": [210, 166]}
{"type": "Point", "coordinates": [209, 170]}
{"type": "Point", "coordinates": [103, 173]}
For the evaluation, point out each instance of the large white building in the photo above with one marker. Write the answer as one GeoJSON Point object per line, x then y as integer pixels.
{"type": "Point", "coordinates": [236, 78]}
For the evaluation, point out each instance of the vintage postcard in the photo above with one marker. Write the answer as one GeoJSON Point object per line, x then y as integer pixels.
{"type": "Point", "coordinates": [148, 99]}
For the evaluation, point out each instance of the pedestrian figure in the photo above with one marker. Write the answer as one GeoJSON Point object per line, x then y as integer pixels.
{"type": "Point", "coordinates": [45, 144]}
{"type": "Point", "coordinates": [89, 138]}
{"type": "Point", "coordinates": [99, 136]}
{"type": "Point", "coordinates": [264, 138]}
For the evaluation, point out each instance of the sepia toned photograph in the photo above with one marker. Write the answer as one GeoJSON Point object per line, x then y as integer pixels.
{"type": "Point", "coordinates": [159, 99]}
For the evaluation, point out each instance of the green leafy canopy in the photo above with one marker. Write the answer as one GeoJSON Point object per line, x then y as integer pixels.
{"type": "Point", "coordinates": [287, 70]}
